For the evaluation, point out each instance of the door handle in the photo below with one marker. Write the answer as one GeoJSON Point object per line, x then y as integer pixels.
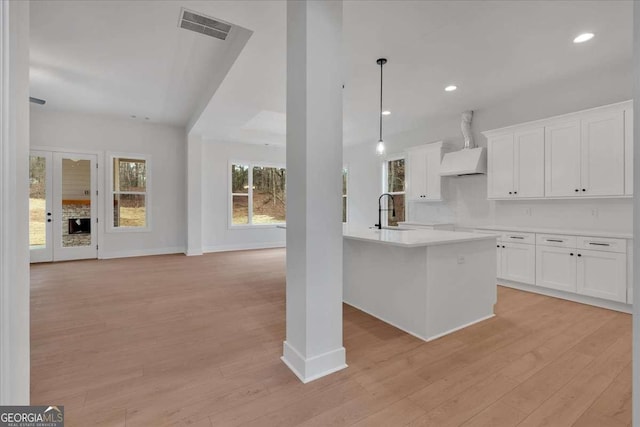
{"type": "Point", "coordinates": [598, 244]}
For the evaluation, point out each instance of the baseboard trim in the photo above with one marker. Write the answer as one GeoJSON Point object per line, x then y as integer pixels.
{"type": "Point", "coordinates": [243, 247]}
{"type": "Point", "coordinates": [582, 299]}
{"type": "Point", "coordinates": [142, 252]}
{"type": "Point", "coordinates": [312, 368]}
{"type": "Point", "coordinates": [426, 339]}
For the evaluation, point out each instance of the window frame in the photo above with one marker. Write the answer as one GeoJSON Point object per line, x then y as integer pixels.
{"type": "Point", "coordinates": [249, 194]}
{"type": "Point", "coordinates": [110, 228]}
{"type": "Point", "coordinates": [385, 184]}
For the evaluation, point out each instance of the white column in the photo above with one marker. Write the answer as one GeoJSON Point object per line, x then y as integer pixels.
{"type": "Point", "coordinates": [636, 216]}
{"type": "Point", "coordinates": [313, 346]}
{"type": "Point", "coordinates": [194, 195]}
{"type": "Point", "coordinates": [14, 203]}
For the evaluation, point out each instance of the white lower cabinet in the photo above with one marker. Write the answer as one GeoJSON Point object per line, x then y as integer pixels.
{"type": "Point", "coordinates": [556, 268]}
{"type": "Point", "coordinates": [592, 266]}
{"type": "Point", "coordinates": [602, 274]}
{"type": "Point", "coordinates": [517, 262]}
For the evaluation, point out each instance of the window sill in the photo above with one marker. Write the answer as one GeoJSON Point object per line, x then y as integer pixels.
{"type": "Point", "coordinates": [255, 226]}
{"type": "Point", "coordinates": [129, 230]}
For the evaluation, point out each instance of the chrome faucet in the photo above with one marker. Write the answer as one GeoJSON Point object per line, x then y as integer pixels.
{"type": "Point", "coordinates": [393, 210]}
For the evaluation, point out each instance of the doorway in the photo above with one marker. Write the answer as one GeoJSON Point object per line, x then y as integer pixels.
{"type": "Point", "coordinates": [62, 206]}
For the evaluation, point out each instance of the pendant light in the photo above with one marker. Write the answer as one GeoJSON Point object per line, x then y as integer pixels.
{"type": "Point", "coordinates": [380, 147]}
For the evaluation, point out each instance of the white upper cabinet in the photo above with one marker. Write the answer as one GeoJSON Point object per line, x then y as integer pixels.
{"type": "Point", "coordinates": [500, 166]}
{"type": "Point", "coordinates": [529, 163]}
{"type": "Point", "coordinates": [516, 164]}
{"type": "Point", "coordinates": [583, 154]}
{"type": "Point", "coordinates": [562, 159]}
{"type": "Point", "coordinates": [628, 152]}
{"type": "Point", "coordinates": [424, 172]}
{"type": "Point", "coordinates": [603, 154]}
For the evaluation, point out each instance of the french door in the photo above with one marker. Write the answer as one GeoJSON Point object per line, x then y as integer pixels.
{"type": "Point", "coordinates": [62, 206]}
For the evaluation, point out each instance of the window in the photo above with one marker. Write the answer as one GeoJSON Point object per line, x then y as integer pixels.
{"type": "Point", "coordinates": [345, 172]}
{"type": "Point", "coordinates": [258, 195]}
{"type": "Point", "coordinates": [130, 192]}
{"type": "Point", "coordinates": [394, 183]}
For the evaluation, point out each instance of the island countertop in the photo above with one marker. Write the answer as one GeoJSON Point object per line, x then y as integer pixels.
{"type": "Point", "coordinates": [412, 238]}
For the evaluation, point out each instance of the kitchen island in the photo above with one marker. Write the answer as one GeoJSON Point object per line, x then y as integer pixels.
{"type": "Point", "coordinates": [427, 283]}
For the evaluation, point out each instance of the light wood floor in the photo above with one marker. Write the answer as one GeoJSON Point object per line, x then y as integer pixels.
{"type": "Point", "coordinates": [175, 340]}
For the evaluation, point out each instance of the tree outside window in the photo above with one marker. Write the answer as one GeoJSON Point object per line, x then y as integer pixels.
{"type": "Point", "coordinates": [394, 183]}
{"type": "Point", "coordinates": [129, 191]}
{"type": "Point", "coordinates": [258, 194]}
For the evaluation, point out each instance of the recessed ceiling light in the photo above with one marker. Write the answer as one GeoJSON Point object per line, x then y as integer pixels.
{"type": "Point", "coordinates": [451, 88]}
{"type": "Point", "coordinates": [584, 37]}
{"type": "Point", "coordinates": [386, 112]}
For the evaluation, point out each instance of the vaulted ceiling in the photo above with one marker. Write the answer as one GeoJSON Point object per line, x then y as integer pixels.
{"type": "Point", "coordinates": [130, 58]}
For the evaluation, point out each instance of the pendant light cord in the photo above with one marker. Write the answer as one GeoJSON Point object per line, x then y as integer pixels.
{"type": "Point", "coordinates": [381, 64]}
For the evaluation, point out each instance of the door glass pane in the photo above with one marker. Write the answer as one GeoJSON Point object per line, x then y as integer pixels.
{"type": "Point", "coordinates": [269, 201]}
{"type": "Point", "coordinates": [37, 202]}
{"type": "Point", "coordinates": [76, 203]}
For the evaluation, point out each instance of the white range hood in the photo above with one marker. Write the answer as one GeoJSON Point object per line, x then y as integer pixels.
{"type": "Point", "coordinates": [471, 160]}
{"type": "Point", "coordinates": [468, 161]}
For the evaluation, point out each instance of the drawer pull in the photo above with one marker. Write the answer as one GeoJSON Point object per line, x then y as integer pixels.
{"type": "Point", "coordinates": [555, 240]}
{"type": "Point", "coordinates": [599, 244]}
{"type": "Point", "coordinates": [516, 237]}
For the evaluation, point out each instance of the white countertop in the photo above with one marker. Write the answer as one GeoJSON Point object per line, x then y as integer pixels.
{"type": "Point", "coordinates": [588, 233]}
{"type": "Point", "coordinates": [424, 223]}
{"type": "Point", "coordinates": [413, 238]}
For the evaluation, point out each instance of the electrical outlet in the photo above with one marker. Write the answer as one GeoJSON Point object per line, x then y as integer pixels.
{"type": "Point", "coordinates": [461, 260]}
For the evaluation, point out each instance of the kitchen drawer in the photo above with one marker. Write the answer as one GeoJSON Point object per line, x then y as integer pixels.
{"type": "Point", "coordinates": [558, 240]}
{"type": "Point", "coordinates": [516, 237]}
{"type": "Point", "coordinates": [602, 244]}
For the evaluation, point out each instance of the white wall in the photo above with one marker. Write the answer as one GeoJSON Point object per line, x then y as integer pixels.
{"type": "Point", "coordinates": [165, 144]}
{"type": "Point", "coordinates": [14, 204]}
{"type": "Point", "coordinates": [465, 198]}
{"type": "Point", "coordinates": [217, 235]}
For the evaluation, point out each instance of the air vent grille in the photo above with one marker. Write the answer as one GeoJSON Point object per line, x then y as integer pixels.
{"type": "Point", "coordinates": [204, 25]}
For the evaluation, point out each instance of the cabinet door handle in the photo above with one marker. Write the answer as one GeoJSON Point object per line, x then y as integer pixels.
{"type": "Point", "coordinates": [503, 247]}
{"type": "Point", "coordinates": [510, 192]}
{"type": "Point", "coordinates": [577, 190]}
{"type": "Point", "coordinates": [599, 244]}
{"type": "Point", "coordinates": [515, 192]}
{"type": "Point", "coordinates": [516, 237]}
{"type": "Point", "coordinates": [584, 189]}
{"type": "Point", "coordinates": [554, 240]}
{"type": "Point", "coordinates": [579, 254]}
{"type": "Point", "coordinates": [498, 246]}
{"type": "Point", "coordinates": [571, 254]}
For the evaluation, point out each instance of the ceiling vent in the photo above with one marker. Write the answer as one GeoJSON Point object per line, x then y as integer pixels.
{"type": "Point", "coordinates": [203, 24]}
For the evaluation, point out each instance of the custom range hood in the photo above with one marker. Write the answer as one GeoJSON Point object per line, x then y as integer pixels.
{"type": "Point", "coordinates": [471, 160]}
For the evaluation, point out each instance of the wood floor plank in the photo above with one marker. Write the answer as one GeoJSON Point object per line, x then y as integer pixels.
{"type": "Point", "coordinates": [196, 341]}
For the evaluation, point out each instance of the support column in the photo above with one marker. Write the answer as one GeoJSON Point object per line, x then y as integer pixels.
{"type": "Point", "coordinates": [636, 217]}
{"type": "Point", "coordinates": [14, 203]}
{"type": "Point", "coordinates": [194, 195]}
{"type": "Point", "coordinates": [313, 346]}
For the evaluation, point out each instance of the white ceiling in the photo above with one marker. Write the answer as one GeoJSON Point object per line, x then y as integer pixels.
{"type": "Point", "coordinates": [122, 58]}
{"type": "Point", "coordinates": [491, 49]}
